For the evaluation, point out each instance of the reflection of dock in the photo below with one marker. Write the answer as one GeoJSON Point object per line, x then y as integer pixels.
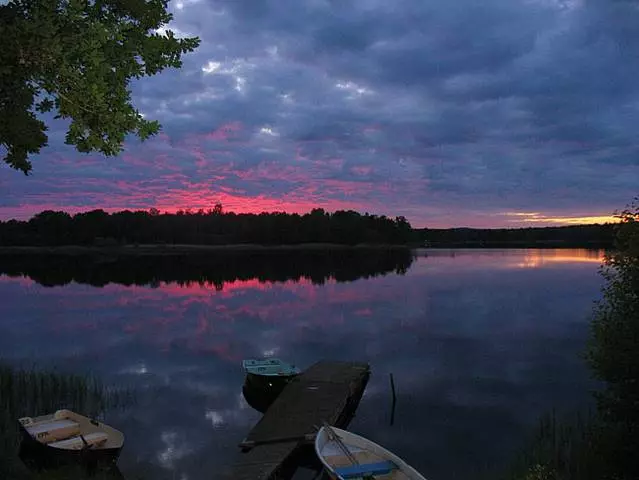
{"type": "Point", "coordinates": [327, 391]}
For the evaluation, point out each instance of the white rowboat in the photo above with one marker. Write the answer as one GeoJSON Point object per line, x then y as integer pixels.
{"type": "Point", "coordinates": [70, 437]}
{"type": "Point", "coordinates": [347, 456]}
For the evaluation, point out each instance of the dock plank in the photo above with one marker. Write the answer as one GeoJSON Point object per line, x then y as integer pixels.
{"type": "Point", "coordinates": [263, 462]}
{"type": "Point", "coordinates": [328, 391]}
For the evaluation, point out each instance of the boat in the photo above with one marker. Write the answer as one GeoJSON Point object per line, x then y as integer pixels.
{"type": "Point", "coordinates": [346, 455]}
{"type": "Point", "coordinates": [268, 372]}
{"type": "Point", "coordinates": [68, 437]}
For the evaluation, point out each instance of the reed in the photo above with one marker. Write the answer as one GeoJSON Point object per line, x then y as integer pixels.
{"type": "Point", "coordinates": [562, 449]}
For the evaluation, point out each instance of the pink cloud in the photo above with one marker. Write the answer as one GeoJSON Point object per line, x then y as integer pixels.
{"type": "Point", "coordinates": [225, 132]}
{"type": "Point", "coordinates": [199, 170]}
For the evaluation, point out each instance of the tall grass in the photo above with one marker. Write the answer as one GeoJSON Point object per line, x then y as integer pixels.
{"type": "Point", "coordinates": [563, 449]}
{"type": "Point", "coordinates": [32, 392]}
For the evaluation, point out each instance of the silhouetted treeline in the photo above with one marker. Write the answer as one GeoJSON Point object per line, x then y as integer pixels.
{"type": "Point", "coordinates": [594, 236]}
{"type": "Point", "coordinates": [213, 227]}
{"type": "Point", "coordinates": [99, 268]}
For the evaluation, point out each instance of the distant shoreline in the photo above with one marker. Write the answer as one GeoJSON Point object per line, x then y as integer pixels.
{"type": "Point", "coordinates": [149, 233]}
{"type": "Point", "coordinates": [178, 249]}
{"type": "Point", "coordinates": [156, 249]}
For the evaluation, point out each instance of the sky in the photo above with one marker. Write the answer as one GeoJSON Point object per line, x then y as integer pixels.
{"type": "Point", "coordinates": [491, 113]}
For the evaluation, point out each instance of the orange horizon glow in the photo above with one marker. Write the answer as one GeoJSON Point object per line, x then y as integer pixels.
{"type": "Point", "coordinates": [538, 217]}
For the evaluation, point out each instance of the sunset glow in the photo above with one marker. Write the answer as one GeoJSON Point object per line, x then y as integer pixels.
{"type": "Point", "coordinates": [540, 218]}
{"type": "Point", "coordinates": [361, 107]}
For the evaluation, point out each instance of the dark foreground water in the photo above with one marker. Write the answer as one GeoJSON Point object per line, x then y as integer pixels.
{"type": "Point", "coordinates": [480, 342]}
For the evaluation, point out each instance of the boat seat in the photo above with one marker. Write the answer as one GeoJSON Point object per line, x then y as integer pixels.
{"type": "Point", "coordinates": [355, 471]}
{"type": "Point", "coordinates": [51, 431]}
{"type": "Point", "coordinates": [76, 443]}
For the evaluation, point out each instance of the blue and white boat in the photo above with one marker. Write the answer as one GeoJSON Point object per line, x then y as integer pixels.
{"type": "Point", "coordinates": [346, 455]}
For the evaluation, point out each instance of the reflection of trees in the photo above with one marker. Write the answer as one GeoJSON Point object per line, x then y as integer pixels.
{"type": "Point", "coordinates": [317, 265]}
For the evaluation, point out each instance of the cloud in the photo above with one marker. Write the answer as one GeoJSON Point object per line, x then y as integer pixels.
{"type": "Point", "coordinates": [448, 114]}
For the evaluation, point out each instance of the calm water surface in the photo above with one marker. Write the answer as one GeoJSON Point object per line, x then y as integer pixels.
{"type": "Point", "coordinates": [481, 343]}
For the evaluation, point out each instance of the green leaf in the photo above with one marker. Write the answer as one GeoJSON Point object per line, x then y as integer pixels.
{"type": "Point", "coordinates": [45, 105]}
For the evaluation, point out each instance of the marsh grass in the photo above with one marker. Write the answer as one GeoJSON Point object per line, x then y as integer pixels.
{"type": "Point", "coordinates": [569, 448]}
{"type": "Point", "coordinates": [32, 392]}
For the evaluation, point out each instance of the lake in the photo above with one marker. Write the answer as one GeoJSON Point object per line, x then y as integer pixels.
{"type": "Point", "coordinates": [481, 344]}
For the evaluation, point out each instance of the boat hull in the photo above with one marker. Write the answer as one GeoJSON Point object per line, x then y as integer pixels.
{"type": "Point", "coordinates": [268, 381]}
{"type": "Point", "coordinates": [264, 381]}
{"type": "Point", "coordinates": [45, 440]}
{"type": "Point", "coordinates": [42, 455]}
{"type": "Point", "coordinates": [261, 397]}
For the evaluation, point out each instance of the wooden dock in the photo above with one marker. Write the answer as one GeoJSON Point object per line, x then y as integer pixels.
{"type": "Point", "coordinates": [326, 392]}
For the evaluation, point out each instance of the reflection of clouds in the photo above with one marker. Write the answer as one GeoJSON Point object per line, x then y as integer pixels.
{"type": "Point", "coordinates": [208, 322]}
{"type": "Point", "coordinates": [215, 418]}
{"type": "Point", "coordinates": [204, 387]}
{"type": "Point", "coordinates": [175, 448]}
{"type": "Point", "coordinates": [22, 281]}
{"type": "Point", "coordinates": [241, 402]}
{"type": "Point", "coordinates": [234, 415]}
{"type": "Point", "coordinates": [478, 348]}
{"type": "Point", "coordinates": [270, 352]}
{"type": "Point", "coordinates": [138, 369]}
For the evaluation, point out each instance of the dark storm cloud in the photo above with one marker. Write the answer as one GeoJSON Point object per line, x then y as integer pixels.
{"type": "Point", "coordinates": [442, 112]}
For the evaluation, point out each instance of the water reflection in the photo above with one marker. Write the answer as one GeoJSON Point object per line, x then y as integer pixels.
{"type": "Point", "coordinates": [538, 258]}
{"type": "Point", "coordinates": [211, 269]}
{"type": "Point", "coordinates": [519, 256]}
{"type": "Point", "coordinates": [479, 348]}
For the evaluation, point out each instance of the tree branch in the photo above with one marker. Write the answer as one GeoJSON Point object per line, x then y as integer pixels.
{"type": "Point", "coordinates": [73, 103]}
